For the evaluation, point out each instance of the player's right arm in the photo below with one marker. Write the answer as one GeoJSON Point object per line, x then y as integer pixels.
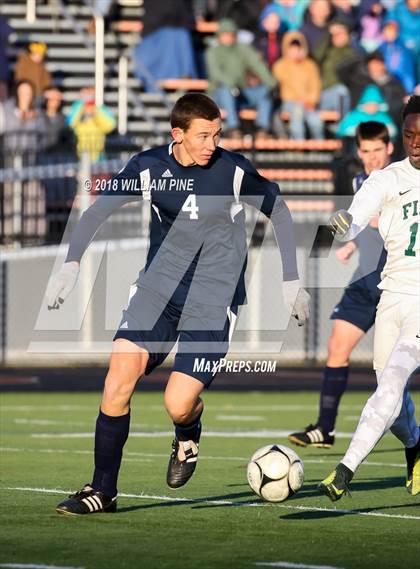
{"type": "Point", "coordinates": [366, 205]}
{"type": "Point", "coordinates": [62, 282]}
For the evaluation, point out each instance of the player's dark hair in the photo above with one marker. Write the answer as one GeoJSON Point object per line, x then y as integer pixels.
{"type": "Point", "coordinates": [412, 107]}
{"type": "Point", "coordinates": [372, 130]}
{"type": "Point", "coordinates": [193, 106]}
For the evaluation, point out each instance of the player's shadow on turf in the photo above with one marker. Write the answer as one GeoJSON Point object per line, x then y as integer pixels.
{"type": "Point", "coordinates": [193, 502]}
{"type": "Point", "coordinates": [310, 490]}
{"type": "Point", "coordinates": [360, 484]}
{"type": "Point", "coordinates": [340, 512]}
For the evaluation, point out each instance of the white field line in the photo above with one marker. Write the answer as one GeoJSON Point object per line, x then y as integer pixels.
{"type": "Point", "coordinates": [239, 418]}
{"type": "Point", "coordinates": [126, 454]}
{"type": "Point", "coordinates": [202, 457]}
{"type": "Point", "coordinates": [48, 422]}
{"type": "Point", "coordinates": [48, 407]}
{"type": "Point", "coordinates": [36, 566]}
{"type": "Point", "coordinates": [289, 565]}
{"type": "Point", "coordinates": [262, 433]}
{"type": "Point", "coordinates": [148, 455]}
{"type": "Point", "coordinates": [219, 408]}
{"type": "Point", "coordinates": [225, 503]}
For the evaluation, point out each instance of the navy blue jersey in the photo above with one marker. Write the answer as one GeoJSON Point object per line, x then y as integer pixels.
{"type": "Point", "coordinates": [372, 255]}
{"type": "Point", "coordinates": [198, 244]}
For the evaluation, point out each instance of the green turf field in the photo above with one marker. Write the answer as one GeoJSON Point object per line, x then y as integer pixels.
{"type": "Point", "coordinates": [215, 521]}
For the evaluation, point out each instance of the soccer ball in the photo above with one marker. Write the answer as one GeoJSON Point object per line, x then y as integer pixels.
{"type": "Point", "coordinates": [275, 472]}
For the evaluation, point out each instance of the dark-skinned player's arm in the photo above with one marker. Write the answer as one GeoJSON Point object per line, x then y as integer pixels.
{"type": "Point", "coordinates": [344, 224]}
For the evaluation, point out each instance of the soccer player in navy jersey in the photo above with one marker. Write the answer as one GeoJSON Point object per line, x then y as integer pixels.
{"type": "Point", "coordinates": [189, 289]}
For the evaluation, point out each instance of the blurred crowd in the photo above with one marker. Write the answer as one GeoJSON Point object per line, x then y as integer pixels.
{"type": "Point", "coordinates": [360, 59]}
{"type": "Point", "coordinates": [31, 116]}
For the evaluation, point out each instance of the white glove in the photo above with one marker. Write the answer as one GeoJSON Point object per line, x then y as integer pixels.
{"type": "Point", "coordinates": [61, 284]}
{"type": "Point", "coordinates": [297, 300]}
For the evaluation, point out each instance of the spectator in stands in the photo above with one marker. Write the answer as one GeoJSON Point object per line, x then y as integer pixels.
{"type": "Point", "coordinates": [337, 49]}
{"type": "Point", "coordinates": [269, 38]}
{"type": "Point", "coordinates": [245, 14]}
{"type": "Point", "coordinates": [59, 192]}
{"type": "Point", "coordinates": [21, 123]}
{"type": "Point", "coordinates": [345, 10]}
{"type": "Point", "coordinates": [290, 11]}
{"type": "Point", "coordinates": [166, 50]}
{"type": "Point", "coordinates": [90, 124]}
{"type": "Point", "coordinates": [370, 17]}
{"type": "Point", "coordinates": [359, 73]}
{"type": "Point", "coordinates": [238, 75]}
{"type": "Point", "coordinates": [58, 134]}
{"type": "Point", "coordinates": [5, 31]}
{"type": "Point", "coordinates": [407, 14]}
{"type": "Point", "coordinates": [315, 25]}
{"type": "Point", "coordinates": [399, 60]}
{"type": "Point", "coordinates": [371, 107]}
{"type": "Point", "coordinates": [30, 66]}
{"type": "Point", "coordinates": [300, 86]}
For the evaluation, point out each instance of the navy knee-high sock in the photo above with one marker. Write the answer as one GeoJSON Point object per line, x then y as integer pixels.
{"type": "Point", "coordinates": [189, 432]}
{"type": "Point", "coordinates": [333, 387]}
{"type": "Point", "coordinates": [110, 437]}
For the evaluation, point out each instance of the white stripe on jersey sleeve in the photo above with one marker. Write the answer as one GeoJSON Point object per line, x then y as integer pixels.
{"type": "Point", "coordinates": [237, 182]}
{"type": "Point", "coordinates": [155, 207]}
{"type": "Point", "coordinates": [145, 184]}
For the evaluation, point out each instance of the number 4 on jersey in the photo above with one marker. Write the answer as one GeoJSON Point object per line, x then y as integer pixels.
{"type": "Point", "coordinates": [190, 206]}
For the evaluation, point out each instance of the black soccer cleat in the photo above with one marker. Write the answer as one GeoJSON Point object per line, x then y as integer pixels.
{"type": "Point", "coordinates": [412, 456]}
{"type": "Point", "coordinates": [313, 436]}
{"type": "Point", "coordinates": [87, 501]}
{"type": "Point", "coordinates": [336, 484]}
{"type": "Point", "coordinates": [182, 463]}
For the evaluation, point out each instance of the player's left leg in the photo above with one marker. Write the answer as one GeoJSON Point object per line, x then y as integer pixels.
{"type": "Point", "coordinates": [405, 427]}
{"type": "Point", "coordinates": [378, 415]}
{"type": "Point", "coordinates": [384, 406]}
{"type": "Point", "coordinates": [204, 340]}
{"type": "Point", "coordinates": [185, 407]}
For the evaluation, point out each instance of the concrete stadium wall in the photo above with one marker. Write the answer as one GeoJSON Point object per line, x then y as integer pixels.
{"type": "Point", "coordinates": [81, 331]}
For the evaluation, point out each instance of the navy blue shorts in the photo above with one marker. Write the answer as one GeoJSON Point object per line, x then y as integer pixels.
{"type": "Point", "coordinates": [203, 332]}
{"type": "Point", "coordinates": [358, 305]}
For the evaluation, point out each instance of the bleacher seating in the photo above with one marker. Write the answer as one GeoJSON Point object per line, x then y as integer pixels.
{"type": "Point", "coordinates": [301, 166]}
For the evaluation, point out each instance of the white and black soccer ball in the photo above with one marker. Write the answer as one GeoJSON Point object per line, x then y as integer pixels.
{"type": "Point", "coordinates": [275, 472]}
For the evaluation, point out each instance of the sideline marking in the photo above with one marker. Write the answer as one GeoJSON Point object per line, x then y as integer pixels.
{"type": "Point", "coordinates": [145, 455]}
{"type": "Point", "coordinates": [289, 565]}
{"type": "Point", "coordinates": [36, 566]}
{"type": "Point", "coordinates": [263, 433]}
